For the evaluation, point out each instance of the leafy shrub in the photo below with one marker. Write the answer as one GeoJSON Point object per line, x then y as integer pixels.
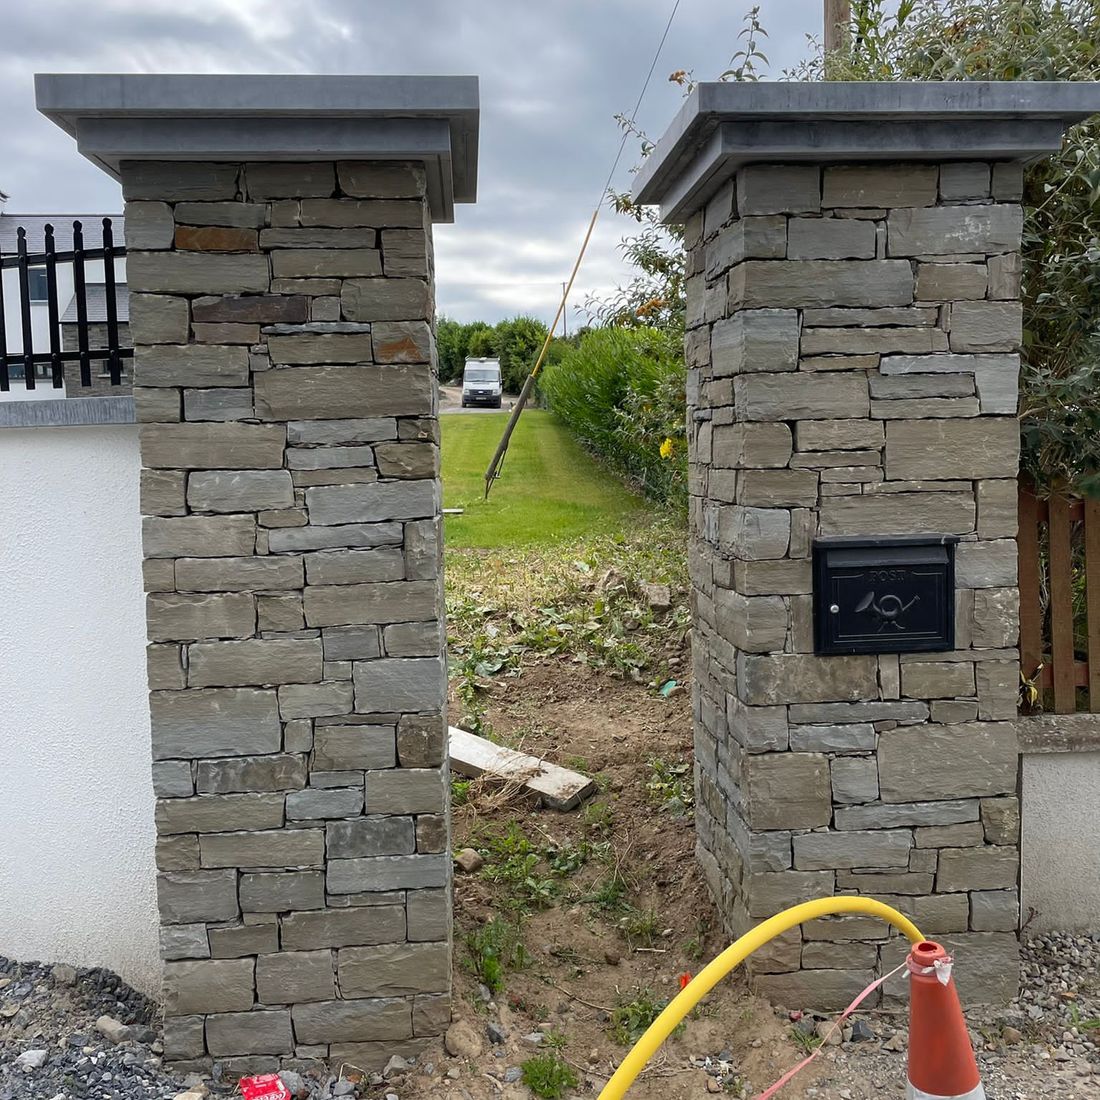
{"type": "Point", "coordinates": [622, 394]}
{"type": "Point", "coordinates": [548, 1075]}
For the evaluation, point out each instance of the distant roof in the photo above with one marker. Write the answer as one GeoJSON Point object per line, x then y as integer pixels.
{"type": "Point", "coordinates": [35, 225]}
{"type": "Point", "coordinates": [97, 304]}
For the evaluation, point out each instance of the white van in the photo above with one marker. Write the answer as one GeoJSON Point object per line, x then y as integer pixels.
{"type": "Point", "coordinates": [481, 384]}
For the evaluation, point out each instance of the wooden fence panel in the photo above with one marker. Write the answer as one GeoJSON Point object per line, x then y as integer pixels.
{"type": "Point", "coordinates": [1061, 604]}
{"type": "Point", "coordinates": [1031, 612]}
{"type": "Point", "coordinates": [1092, 599]}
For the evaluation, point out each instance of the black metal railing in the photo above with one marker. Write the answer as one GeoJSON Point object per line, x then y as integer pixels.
{"type": "Point", "coordinates": [27, 358]}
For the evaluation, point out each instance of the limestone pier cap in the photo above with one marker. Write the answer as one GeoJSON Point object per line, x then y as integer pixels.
{"type": "Point", "coordinates": [431, 120]}
{"type": "Point", "coordinates": [724, 126]}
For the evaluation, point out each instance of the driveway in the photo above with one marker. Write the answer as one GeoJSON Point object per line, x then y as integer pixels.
{"type": "Point", "coordinates": [450, 401]}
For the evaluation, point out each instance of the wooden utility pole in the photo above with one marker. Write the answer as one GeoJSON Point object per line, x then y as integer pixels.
{"type": "Point", "coordinates": [838, 18]}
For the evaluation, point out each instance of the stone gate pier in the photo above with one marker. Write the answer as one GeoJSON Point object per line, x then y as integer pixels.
{"type": "Point", "coordinates": [282, 308]}
{"type": "Point", "coordinates": [853, 338]}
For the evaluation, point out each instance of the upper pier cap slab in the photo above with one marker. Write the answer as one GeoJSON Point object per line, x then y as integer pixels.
{"type": "Point", "coordinates": [724, 126]}
{"type": "Point", "coordinates": [121, 117]}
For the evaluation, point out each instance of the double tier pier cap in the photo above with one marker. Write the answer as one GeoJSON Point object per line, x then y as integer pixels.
{"type": "Point", "coordinates": [722, 127]}
{"type": "Point", "coordinates": [432, 120]}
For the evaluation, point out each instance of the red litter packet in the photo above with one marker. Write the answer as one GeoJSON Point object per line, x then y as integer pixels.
{"type": "Point", "coordinates": [268, 1086]}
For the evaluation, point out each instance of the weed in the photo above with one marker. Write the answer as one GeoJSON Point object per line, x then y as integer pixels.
{"type": "Point", "coordinates": [569, 858]}
{"type": "Point", "coordinates": [1079, 1021]}
{"type": "Point", "coordinates": [630, 1019]}
{"type": "Point", "coordinates": [548, 1075]}
{"type": "Point", "coordinates": [670, 786]}
{"type": "Point", "coordinates": [640, 926]}
{"type": "Point", "coordinates": [610, 893]}
{"type": "Point", "coordinates": [598, 817]}
{"type": "Point", "coordinates": [460, 791]}
{"type": "Point", "coordinates": [514, 862]}
{"type": "Point", "coordinates": [496, 948]}
{"type": "Point", "coordinates": [804, 1041]}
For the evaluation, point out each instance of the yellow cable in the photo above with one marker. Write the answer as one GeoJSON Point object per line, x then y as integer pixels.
{"type": "Point", "coordinates": [718, 968]}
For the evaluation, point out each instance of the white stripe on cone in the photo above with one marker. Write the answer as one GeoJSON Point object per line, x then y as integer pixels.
{"type": "Point", "coordinates": [913, 1093]}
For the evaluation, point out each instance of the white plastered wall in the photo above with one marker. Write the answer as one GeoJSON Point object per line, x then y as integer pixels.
{"type": "Point", "coordinates": [1060, 840]}
{"type": "Point", "coordinates": [77, 876]}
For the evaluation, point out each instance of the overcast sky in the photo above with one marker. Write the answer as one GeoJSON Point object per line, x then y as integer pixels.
{"type": "Point", "coordinates": [553, 74]}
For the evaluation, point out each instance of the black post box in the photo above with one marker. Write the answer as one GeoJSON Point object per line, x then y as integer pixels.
{"type": "Point", "coordinates": [884, 595]}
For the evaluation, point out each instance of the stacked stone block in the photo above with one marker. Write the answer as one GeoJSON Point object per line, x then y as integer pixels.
{"type": "Point", "coordinates": [853, 340]}
{"type": "Point", "coordinates": [282, 315]}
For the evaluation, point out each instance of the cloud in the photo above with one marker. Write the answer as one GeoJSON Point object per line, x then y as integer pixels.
{"type": "Point", "coordinates": [553, 76]}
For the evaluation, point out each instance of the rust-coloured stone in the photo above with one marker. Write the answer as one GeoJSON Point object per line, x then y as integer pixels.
{"type": "Point", "coordinates": [216, 239]}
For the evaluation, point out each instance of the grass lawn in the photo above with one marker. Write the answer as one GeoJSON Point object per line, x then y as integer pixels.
{"type": "Point", "coordinates": [550, 488]}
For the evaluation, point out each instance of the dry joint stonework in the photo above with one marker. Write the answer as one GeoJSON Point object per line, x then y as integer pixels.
{"type": "Point", "coordinates": [284, 377]}
{"type": "Point", "coordinates": [853, 339]}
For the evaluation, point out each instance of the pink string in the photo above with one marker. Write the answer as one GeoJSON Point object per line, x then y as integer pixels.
{"type": "Point", "coordinates": [829, 1034]}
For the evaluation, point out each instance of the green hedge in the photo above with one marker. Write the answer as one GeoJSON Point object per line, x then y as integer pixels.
{"type": "Point", "coordinates": [621, 392]}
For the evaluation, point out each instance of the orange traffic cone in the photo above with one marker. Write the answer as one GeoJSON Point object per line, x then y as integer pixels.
{"type": "Point", "coordinates": [941, 1060]}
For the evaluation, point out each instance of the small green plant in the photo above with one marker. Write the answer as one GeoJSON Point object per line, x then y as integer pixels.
{"type": "Point", "coordinates": [569, 858]}
{"type": "Point", "coordinates": [460, 791]}
{"type": "Point", "coordinates": [805, 1040]}
{"type": "Point", "coordinates": [630, 1019]}
{"type": "Point", "coordinates": [515, 862]}
{"type": "Point", "coordinates": [610, 893]}
{"type": "Point", "coordinates": [671, 786]}
{"type": "Point", "coordinates": [549, 1075]}
{"type": "Point", "coordinates": [598, 817]}
{"type": "Point", "coordinates": [640, 926]}
{"type": "Point", "coordinates": [1079, 1021]}
{"type": "Point", "coordinates": [494, 949]}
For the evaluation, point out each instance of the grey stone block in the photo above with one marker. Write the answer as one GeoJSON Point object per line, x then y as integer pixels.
{"type": "Point", "coordinates": [950, 282]}
{"type": "Point", "coordinates": [778, 189]}
{"type": "Point", "coordinates": [963, 761]}
{"type": "Point", "coordinates": [351, 876]}
{"type": "Point", "coordinates": [899, 513]}
{"type": "Point", "coordinates": [198, 536]}
{"type": "Point", "coordinates": [249, 1033]}
{"type": "Point", "coordinates": [282, 892]}
{"type": "Point", "coordinates": [421, 741]}
{"type": "Point", "coordinates": [173, 779]}
{"type": "Point", "coordinates": [879, 186]}
{"type": "Point", "coordinates": [751, 445]}
{"type": "Point", "coordinates": [407, 460]}
{"type": "Point", "coordinates": [402, 342]}
{"type": "Point", "coordinates": [353, 1020]}
{"type": "Point", "coordinates": [316, 805]}
{"type": "Point", "coordinates": [239, 490]}
{"type": "Point", "coordinates": [215, 722]}
{"type": "Point", "coordinates": [330, 458]}
{"type": "Point", "coordinates": [159, 319]}
{"type": "Point", "coordinates": [431, 1013]}
{"type": "Point", "coordinates": [900, 815]}
{"type": "Point", "coordinates": [185, 897]}
{"type": "Point", "coordinates": [332, 697]}
{"type": "Point", "coordinates": [253, 309]}
{"type": "Point", "coordinates": [172, 616]}
{"type": "Point", "coordinates": [244, 939]}
{"type": "Point", "coordinates": [848, 738]}
{"type": "Point", "coordinates": [754, 533]}
{"type": "Point", "coordinates": [755, 340]}
{"type": "Point", "coordinates": [355, 927]}
{"type": "Point", "coordinates": [787, 790]}
{"type": "Point", "coordinates": [234, 215]}
{"type": "Point", "coordinates": [397, 685]}
{"type": "Point", "coordinates": [994, 910]}
{"type": "Point", "coordinates": [429, 915]}
{"type": "Point", "coordinates": [251, 773]}
{"type": "Point", "coordinates": [831, 435]}
{"type": "Point", "coordinates": [289, 181]}
{"type": "Point", "coordinates": [218, 813]}
{"type": "Point", "coordinates": [948, 230]}
{"type": "Point", "coordinates": [387, 299]}
{"type": "Point", "coordinates": [747, 238]}
{"type": "Point", "coordinates": [937, 679]}
{"type": "Point", "coordinates": [854, 779]}
{"type": "Point", "coordinates": [988, 868]}
{"type": "Point", "coordinates": [194, 365]}
{"type": "Point", "coordinates": [365, 604]}
{"type": "Point", "coordinates": [413, 639]}
{"type": "Point", "coordinates": [830, 239]}
{"type": "Point", "coordinates": [340, 504]}
{"type": "Point", "coordinates": [864, 341]}
{"type": "Point", "coordinates": [752, 623]}
{"type": "Point", "coordinates": [323, 538]}
{"type": "Point", "coordinates": [176, 180]}
{"type": "Point", "coordinates": [1004, 275]}
{"type": "Point", "coordinates": [197, 273]}
{"type": "Point", "coordinates": [321, 347]}
{"type": "Point", "coordinates": [331, 392]}
{"type": "Point", "coordinates": [918, 387]}
{"type": "Point", "coordinates": [405, 791]}
{"type": "Point", "coordinates": [177, 853]}
{"type": "Point", "coordinates": [964, 180]}
{"type": "Point", "coordinates": [355, 566]}
{"type": "Point", "coordinates": [405, 253]}
{"type": "Point", "coordinates": [767, 892]}
{"type": "Point", "coordinates": [809, 284]}
{"type": "Point", "coordinates": [774, 679]}
{"type": "Point", "coordinates": [208, 985]}
{"type": "Point", "coordinates": [272, 849]}
{"type": "Point", "coordinates": [218, 404]}
{"type": "Point", "coordinates": [149, 225]}
{"type": "Point", "coordinates": [370, 430]}
{"type": "Point", "coordinates": [986, 326]}
{"type": "Point", "coordinates": [351, 643]}
{"type": "Point", "coordinates": [801, 396]}
{"type": "Point", "coordinates": [340, 748]}
{"type": "Point", "coordinates": [213, 446]}
{"type": "Point", "coordinates": [319, 238]}
{"type": "Point", "coordinates": [294, 977]}
{"type": "Point", "coordinates": [820, 851]}
{"type": "Point", "coordinates": [393, 970]}
{"type": "Point", "coordinates": [183, 1037]}
{"type": "Point", "coordinates": [238, 574]}
{"type": "Point", "coordinates": [255, 661]}
{"type": "Point", "coordinates": [1001, 820]}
